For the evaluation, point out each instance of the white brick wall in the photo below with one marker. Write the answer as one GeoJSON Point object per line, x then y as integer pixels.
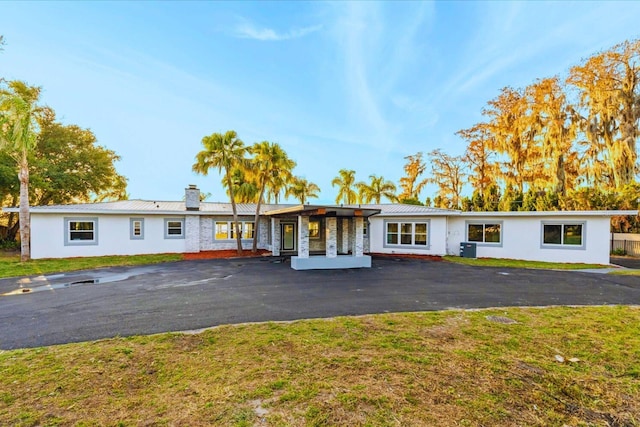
{"type": "Point", "coordinates": [332, 237]}
{"type": "Point", "coordinates": [275, 236]}
{"type": "Point", "coordinates": [207, 231]}
{"type": "Point", "coordinates": [303, 236]}
{"type": "Point", "coordinates": [192, 233]}
{"type": "Point", "coordinates": [358, 242]}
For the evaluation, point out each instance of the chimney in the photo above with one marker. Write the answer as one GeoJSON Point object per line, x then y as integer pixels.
{"type": "Point", "coordinates": [192, 198]}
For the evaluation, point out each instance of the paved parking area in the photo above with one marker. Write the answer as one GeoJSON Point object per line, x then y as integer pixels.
{"type": "Point", "coordinates": [190, 295]}
{"type": "Point", "coordinates": [629, 262]}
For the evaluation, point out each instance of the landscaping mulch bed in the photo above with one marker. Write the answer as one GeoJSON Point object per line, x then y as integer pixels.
{"type": "Point", "coordinates": [230, 253]}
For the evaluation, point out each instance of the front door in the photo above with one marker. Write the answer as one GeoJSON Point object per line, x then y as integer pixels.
{"type": "Point", "coordinates": [288, 236]}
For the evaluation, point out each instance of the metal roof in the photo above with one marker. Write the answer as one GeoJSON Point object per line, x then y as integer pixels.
{"type": "Point", "coordinates": [390, 209]}
{"type": "Point", "coordinates": [152, 207]}
{"type": "Point", "coordinates": [324, 210]}
{"type": "Point", "coordinates": [149, 207]}
{"type": "Point", "coordinates": [549, 213]}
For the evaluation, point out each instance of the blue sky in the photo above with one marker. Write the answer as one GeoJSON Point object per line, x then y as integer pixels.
{"type": "Point", "coordinates": [357, 85]}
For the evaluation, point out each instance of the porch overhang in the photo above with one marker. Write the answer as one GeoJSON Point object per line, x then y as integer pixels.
{"type": "Point", "coordinates": [350, 218]}
{"type": "Point", "coordinates": [323, 210]}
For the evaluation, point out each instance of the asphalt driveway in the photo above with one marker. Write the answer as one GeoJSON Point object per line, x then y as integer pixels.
{"type": "Point", "coordinates": [188, 295]}
{"type": "Point", "coordinates": [629, 262]}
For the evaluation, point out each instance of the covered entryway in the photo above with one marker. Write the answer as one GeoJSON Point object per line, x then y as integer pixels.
{"type": "Point", "coordinates": [343, 234]}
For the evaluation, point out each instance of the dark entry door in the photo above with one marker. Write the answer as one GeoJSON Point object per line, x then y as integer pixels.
{"type": "Point", "coordinates": [288, 237]}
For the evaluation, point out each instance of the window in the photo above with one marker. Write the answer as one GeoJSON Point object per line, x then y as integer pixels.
{"type": "Point", "coordinates": [247, 230]}
{"type": "Point", "coordinates": [222, 230]}
{"type": "Point", "coordinates": [407, 233]}
{"type": "Point", "coordinates": [569, 235]}
{"type": "Point", "coordinates": [392, 233]}
{"type": "Point", "coordinates": [225, 230]}
{"type": "Point", "coordinates": [365, 226]}
{"type": "Point", "coordinates": [136, 228]}
{"type": "Point", "coordinates": [420, 234]}
{"type": "Point", "coordinates": [174, 228]}
{"type": "Point", "coordinates": [81, 231]}
{"type": "Point", "coordinates": [314, 229]}
{"type": "Point", "coordinates": [490, 232]}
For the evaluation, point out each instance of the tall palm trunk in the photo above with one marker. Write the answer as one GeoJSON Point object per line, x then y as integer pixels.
{"type": "Point", "coordinates": [236, 225]}
{"type": "Point", "coordinates": [25, 223]}
{"type": "Point", "coordinates": [256, 221]}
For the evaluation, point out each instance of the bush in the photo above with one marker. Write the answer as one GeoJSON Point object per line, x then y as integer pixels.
{"type": "Point", "coordinates": [9, 245]}
{"type": "Point", "coordinates": [618, 252]}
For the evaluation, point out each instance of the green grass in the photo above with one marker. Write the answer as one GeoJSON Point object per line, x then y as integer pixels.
{"type": "Point", "coordinates": [435, 368]}
{"type": "Point", "coordinates": [10, 265]}
{"type": "Point", "coordinates": [517, 263]}
{"type": "Point", "coordinates": [629, 272]}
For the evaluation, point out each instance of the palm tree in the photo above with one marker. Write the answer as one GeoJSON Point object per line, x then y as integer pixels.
{"type": "Point", "coordinates": [345, 181]}
{"type": "Point", "coordinates": [302, 190]}
{"type": "Point", "coordinates": [223, 152]}
{"type": "Point", "coordinates": [269, 167]}
{"type": "Point", "coordinates": [279, 182]}
{"type": "Point", "coordinates": [376, 190]}
{"type": "Point", "coordinates": [18, 134]}
{"type": "Point", "coordinates": [244, 190]}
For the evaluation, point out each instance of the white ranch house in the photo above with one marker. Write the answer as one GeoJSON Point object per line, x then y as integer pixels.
{"type": "Point", "coordinates": [317, 237]}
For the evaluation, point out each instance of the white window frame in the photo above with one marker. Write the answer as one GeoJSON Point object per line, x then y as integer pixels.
{"type": "Point", "coordinates": [484, 224]}
{"type": "Point", "coordinates": [562, 244]}
{"type": "Point", "coordinates": [166, 228]}
{"type": "Point", "coordinates": [68, 241]}
{"type": "Point", "coordinates": [132, 229]}
{"type": "Point", "coordinates": [413, 222]}
{"type": "Point", "coordinates": [231, 230]}
{"type": "Point", "coordinates": [215, 229]}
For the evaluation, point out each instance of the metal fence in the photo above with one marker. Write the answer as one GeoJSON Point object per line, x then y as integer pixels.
{"type": "Point", "coordinates": [626, 247]}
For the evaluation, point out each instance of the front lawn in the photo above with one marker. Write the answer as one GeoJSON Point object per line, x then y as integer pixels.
{"type": "Point", "coordinates": [10, 265]}
{"type": "Point", "coordinates": [626, 272]}
{"type": "Point", "coordinates": [517, 263]}
{"type": "Point", "coordinates": [519, 366]}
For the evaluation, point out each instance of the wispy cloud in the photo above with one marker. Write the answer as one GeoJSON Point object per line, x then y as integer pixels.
{"type": "Point", "coordinates": [247, 30]}
{"type": "Point", "coordinates": [359, 32]}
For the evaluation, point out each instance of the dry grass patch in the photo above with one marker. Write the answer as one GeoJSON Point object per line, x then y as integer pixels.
{"type": "Point", "coordinates": [445, 368]}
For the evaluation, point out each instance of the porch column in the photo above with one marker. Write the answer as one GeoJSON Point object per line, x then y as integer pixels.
{"type": "Point", "coordinates": [331, 237]}
{"type": "Point", "coordinates": [275, 236]}
{"type": "Point", "coordinates": [303, 236]}
{"type": "Point", "coordinates": [358, 242]}
{"type": "Point", "coordinates": [345, 235]}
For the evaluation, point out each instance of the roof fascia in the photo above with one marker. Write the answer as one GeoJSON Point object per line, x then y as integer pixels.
{"type": "Point", "coordinates": [603, 213]}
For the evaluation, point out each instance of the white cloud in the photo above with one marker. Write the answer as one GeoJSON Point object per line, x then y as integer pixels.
{"type": "Point", "coordinates": [247, 30]}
